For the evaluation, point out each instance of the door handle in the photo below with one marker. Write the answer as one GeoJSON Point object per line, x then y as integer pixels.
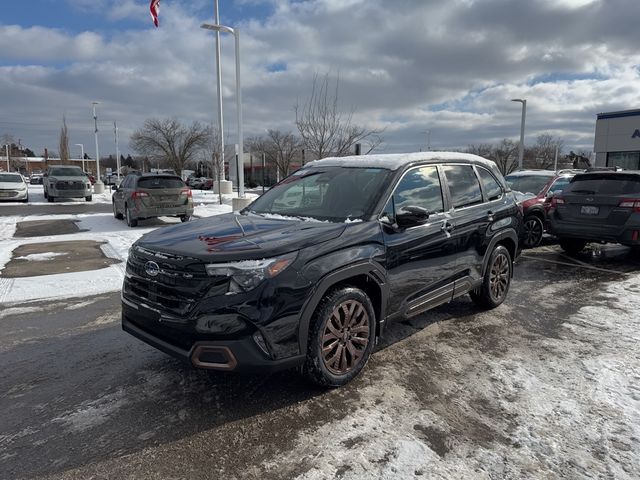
{"type": "Point", "coordinates": [490, 216]}
{"type": "Point", "coordinates": [447, 227]}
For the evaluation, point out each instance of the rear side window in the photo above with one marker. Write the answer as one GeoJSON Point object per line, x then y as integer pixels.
{"type": "Point", "coordinates": [605, 185]}
{"type": "Point", "coordinates": [491, 186]}
{"type": "Point", "coordinates": [560, 184]}
{"type": "Point", "coordinates": [463, 185]}
{"type": "Point", "coordinates": [160, 182]}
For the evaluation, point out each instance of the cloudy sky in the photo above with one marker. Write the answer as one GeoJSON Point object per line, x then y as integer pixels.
{"type": "Point", "coordinates": [407, 66]}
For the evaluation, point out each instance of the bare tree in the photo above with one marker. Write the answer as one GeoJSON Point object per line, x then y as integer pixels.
{"type": "Point", "coordinates": [64, 141]}
{"type": "Point", "coordinates": [169, 139]}
{"type": "Point", "coordinates": [483, 150]}
{"type": "Point", "coordinates": [505, 154]}
{"type": "Point", "coordinates": [285, 145]}
{"type": "Point", "coordinates": [542, 154]}
{"type": "Point", "coordinates": [324, 129]}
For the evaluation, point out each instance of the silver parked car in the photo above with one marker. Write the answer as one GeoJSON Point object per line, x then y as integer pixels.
{"type": "Point", "coordinates": [13, 187]}
{"type": "Point", "coordinates": [150, 195]}
{"type": "Point", "coordinates": [66, 182]}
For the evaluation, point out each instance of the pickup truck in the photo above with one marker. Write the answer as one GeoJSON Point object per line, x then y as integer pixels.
{"type": "Point", "coordinates": [66, 182]}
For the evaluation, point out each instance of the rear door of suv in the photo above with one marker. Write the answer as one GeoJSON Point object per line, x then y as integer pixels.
{"type": "Point", "coordinates": [477, 200]}
{"type": "Point", "coordinates": [600, 200]}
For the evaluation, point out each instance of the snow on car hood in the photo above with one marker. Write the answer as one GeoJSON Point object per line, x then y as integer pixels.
{"type": "Point", "coordinates": [12, 186]}
{"type": "Point", "coordinates": [239, 237]}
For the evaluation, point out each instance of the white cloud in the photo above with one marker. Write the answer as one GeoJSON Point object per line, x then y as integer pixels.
{"type": "Point", "coordinates": [409, 66]}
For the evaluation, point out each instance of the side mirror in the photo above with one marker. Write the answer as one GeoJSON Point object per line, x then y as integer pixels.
{"type": "Point", "coordinates": [411, 216]}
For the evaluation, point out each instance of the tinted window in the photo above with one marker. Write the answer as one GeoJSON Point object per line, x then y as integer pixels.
{"type": "Point", "coordinates": [604, 184]}
{"type": "Point", "coordinates": [528, 183]}
{"type": "Point", "coordinates": [419, 187]}
{"type": "Point", "coordinates": [491, 186]}
{"type": "Point", "coordinates": [160, 182]}
{"type": "Point", "coordinates": [560, 184]}
{"type": "Point", "coordinates": [10, 178]}
{"type": "Point", "coordinates": [463, 185]}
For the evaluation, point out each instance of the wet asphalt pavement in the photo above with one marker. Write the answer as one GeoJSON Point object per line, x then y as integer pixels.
{"type": "Point", "coordinates": [82, 399]}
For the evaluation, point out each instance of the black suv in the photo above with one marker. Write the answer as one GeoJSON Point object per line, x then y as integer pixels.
{"type": "Point", "coordinates": [310, 273]}
{"type": "Point", "coordinates": [599, 206]}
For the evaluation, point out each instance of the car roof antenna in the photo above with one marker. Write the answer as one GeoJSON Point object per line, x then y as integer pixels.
{"type": "Point", "coordinates": [240, 225]}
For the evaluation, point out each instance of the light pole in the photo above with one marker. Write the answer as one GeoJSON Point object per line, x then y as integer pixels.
{"type": "Point", "coordinates": [115, 132]}
{"type": "Point", "coordinates": [236, 33]}
{"type": "Point", "coordinates": [81, 153]}
{"type": "Point", "coordinates": [521, 146]}
{"type": "Point", "coordinates": [98, 187]}
{"type": "Point", "coordinates": [7, 148]}
{"type": "Point", "coordinates": [219, 81]}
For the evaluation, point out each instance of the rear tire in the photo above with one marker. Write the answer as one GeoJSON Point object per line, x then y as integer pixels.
{"type": "Point", "coordinates": [496, 281]}
{"type": "Point", "coordinates": [45, 194]}
{"type": "Point", "coordinates": [341, 338]}
{"type": "Point", "coordinates": [50, 199]}
{"type": "Point", "coordinates": [132, 222]}
{"type": "Point", "coordinates": [533, 230]}
{"type": "Point", "coordinates": [572, 246]}
{"type": "Point", "coordinates": [116, 214]}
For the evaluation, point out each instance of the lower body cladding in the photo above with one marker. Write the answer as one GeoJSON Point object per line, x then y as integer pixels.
{"type": "Point", "coordinates": [244, 351]}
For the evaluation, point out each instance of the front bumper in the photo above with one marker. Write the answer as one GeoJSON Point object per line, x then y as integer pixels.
{"type": "Point", "coordinates": [241, 355]}
{"type": "Point", "coordinates": [13, 195]}
{"type": "Point", "coordinates": [53, 192]}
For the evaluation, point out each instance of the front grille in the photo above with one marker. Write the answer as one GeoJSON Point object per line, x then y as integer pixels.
{"type": "Point", "coordinates": [69, 186]}
{"type": "Point", "coordinates": [180, 283]}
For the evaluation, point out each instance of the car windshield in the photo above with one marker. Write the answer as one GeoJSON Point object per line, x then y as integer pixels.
{"type": "Point", "coordinates": [160, 182]}
{"type": "Point", "coordinates": [527, 183]}
{"type": "Point", "coordinates": [10, 178]}
{"type": "Point", "coordinates": [331, 193]}
{"type": "Point", "coordinates": [603, 184]}
{"type": "Point", "coordinates": [66, 172]}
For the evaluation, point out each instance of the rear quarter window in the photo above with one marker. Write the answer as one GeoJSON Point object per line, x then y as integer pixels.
{"type": "Point", "coordinates": [464, 186]}
{"type": "Point", "coordinates": [492, 188]}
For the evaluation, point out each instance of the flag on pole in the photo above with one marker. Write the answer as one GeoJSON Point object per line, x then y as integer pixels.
{"type": "Point", "coordinates": [154, 8]}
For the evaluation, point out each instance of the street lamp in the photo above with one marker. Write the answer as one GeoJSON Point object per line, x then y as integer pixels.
{"type": "Point", "coordinates": [521, 146]}
{"type": "Point", "coordinates": [220, 119]}
{"type": "Point", "coordinates": [236, 33]}
{"type": "Point", "coordinates": [98, 187]}
{"type": "Point", "coordinates": [81, 153]}
{"type": "Point", "coordinates": [8, 167]}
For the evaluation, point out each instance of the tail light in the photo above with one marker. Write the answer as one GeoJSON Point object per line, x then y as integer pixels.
{"type": "Point", "coordinates": [555, 201]}
{"type": "Point", "coordinates": [631, 203]}
{"type": "Point", "coordinates": [138, 194]}
{"type": "Point", "coordinates": [187, 192]}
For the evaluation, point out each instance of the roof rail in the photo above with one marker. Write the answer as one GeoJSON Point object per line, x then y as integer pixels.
{"type": "Point", "coordinates": [570, 170]}
{"type": "Point", "coordinates": [604, 169]}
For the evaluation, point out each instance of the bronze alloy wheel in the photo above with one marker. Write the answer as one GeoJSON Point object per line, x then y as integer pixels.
{"type": "Point", "coordinates": [499, 277]}
{"type": "Point", "coordinates": [345, 337]}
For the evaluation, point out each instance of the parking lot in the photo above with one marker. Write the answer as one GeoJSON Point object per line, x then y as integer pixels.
{"type": "Point", "coordinates": [545, 386]}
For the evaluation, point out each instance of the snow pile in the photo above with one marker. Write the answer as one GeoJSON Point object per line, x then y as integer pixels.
{"type": "Point", "coordinates": [484, 398]}
{"type": "Point", "coordinates": [41, 257]}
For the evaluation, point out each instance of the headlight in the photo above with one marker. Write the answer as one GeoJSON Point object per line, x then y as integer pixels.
{"type": "Point", "coordinates": [247, 274]}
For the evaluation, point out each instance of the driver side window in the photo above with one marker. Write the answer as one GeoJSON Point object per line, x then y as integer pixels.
{"type": "Point", "coordinates": [419, 187]}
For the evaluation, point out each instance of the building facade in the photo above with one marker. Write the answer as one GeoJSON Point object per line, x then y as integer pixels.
{"type": "Point", "coordinates": [617, 142]}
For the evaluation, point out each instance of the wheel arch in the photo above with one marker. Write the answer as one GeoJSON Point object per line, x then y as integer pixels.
{"type": "Point", "coordinates": [506, 238]}
{"type": "Point", "coordinates": [366, 276]}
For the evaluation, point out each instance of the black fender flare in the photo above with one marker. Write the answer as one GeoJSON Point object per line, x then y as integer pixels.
{"type": "Point", "coordinates": [538, 211]}
{"type": "Point", "coordinates": [497, 238]}
{"type": "Point", "coordinates": [368, 268]}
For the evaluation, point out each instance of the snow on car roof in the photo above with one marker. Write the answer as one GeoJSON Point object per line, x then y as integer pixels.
{"type": "Point", "coordinates": [542, 173]}
{"type": "Point", "coordinates": [394, 161]}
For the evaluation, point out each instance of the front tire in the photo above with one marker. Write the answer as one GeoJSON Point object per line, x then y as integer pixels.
{"type": "Point", "coordinates": [342, 337]}
{"type": "Point", "coordinates": [50, 199]}
{"type": "Point", "coordinates": [533, 230]}
{"type": "Point", "coordinates": [88, 198]}
{"type": "Point", "coordinates": [496, 280]}
{"type": "Point", "coordinates": [572, 246]}
{"type": "Point", "coordinates": [185, 218]}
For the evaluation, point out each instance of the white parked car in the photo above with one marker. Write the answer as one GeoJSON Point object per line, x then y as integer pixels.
{"type": "Point", "coordinates": [13, 187]}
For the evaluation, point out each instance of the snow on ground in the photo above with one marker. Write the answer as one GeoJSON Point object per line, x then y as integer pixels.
{"type": "Point", "coordinates": [40, 257]}
{"type": "Point", "coordinates": [527, 406]}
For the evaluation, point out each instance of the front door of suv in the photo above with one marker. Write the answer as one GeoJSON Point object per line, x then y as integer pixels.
{"type": "Point", "coordinates": [420, 260]}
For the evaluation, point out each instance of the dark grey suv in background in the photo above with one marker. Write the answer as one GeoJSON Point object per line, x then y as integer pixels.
{"type": "Point", "coordinates": [149, 195]}
{"type": "Point", "coordinates": [312, 271]}
{"type": "Point", "coordinates": [598, 207]}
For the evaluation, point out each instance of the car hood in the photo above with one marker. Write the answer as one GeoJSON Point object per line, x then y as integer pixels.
{"type": "Point", "coordinates": [239, 237]}
{"type": "Point", "coordinates": [11, 186]}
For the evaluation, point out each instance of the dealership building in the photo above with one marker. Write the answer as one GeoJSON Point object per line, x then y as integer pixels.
{"type": "Point", "coordinates": [618, 139]}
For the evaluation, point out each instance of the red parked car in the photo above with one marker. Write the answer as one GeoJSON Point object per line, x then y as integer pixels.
{"type": "Point", "coordinates": [537, 187]}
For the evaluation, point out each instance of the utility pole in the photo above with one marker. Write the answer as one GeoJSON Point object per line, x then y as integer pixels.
{"type": "Point", "coordinates": [99, 186]}
{"type": "Point", "coordinates": [115, 131]}
{"type": "Point", "coordinates": [219, 83]}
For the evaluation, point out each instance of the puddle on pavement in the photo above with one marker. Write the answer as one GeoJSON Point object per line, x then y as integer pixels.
{"type": "Point", "coordinates": [40, 228]}
{"type": "Point", "coordinates": [49, 258]}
